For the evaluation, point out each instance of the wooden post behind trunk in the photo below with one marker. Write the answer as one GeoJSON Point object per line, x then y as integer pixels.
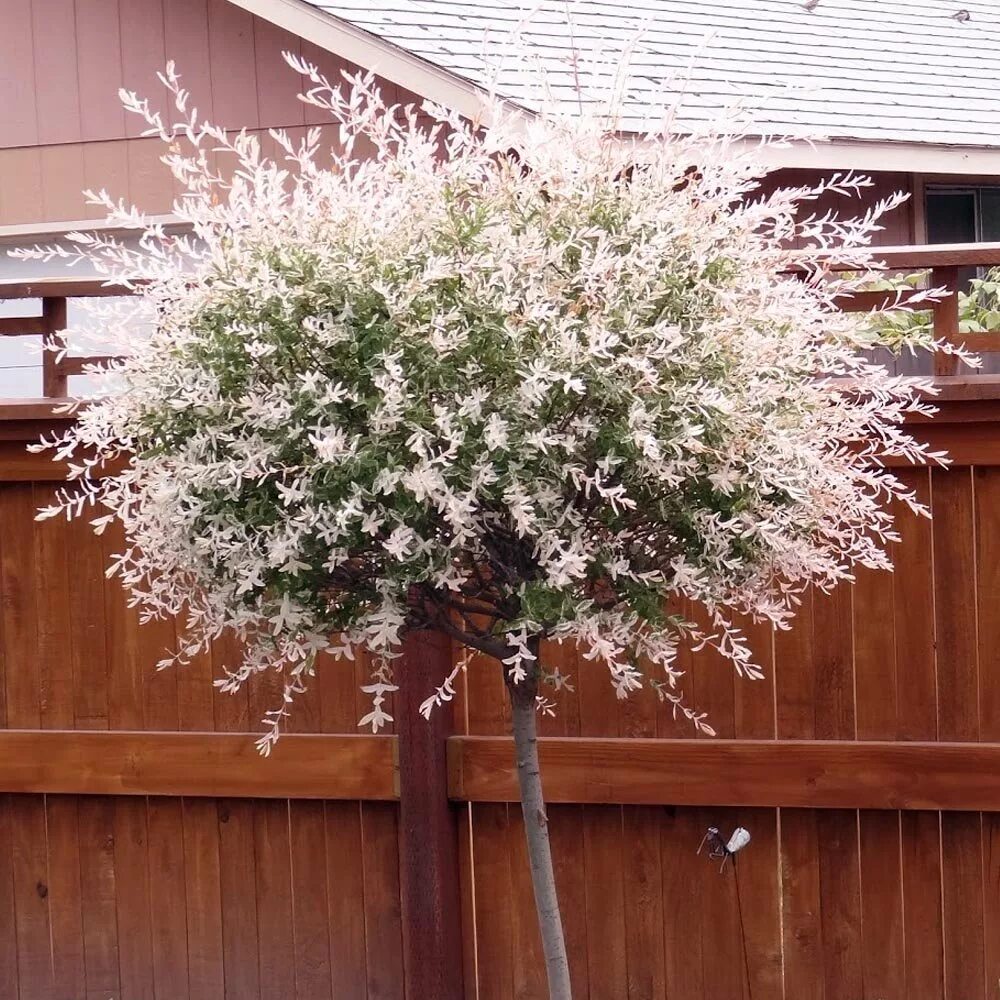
{"type": "Point", "coordinates": [428, 827]}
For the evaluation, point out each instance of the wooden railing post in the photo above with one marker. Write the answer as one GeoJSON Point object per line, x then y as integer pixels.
{"type": "Point", "coordinates": [428, 827]}
{"type": "Point", "coordinates": [946, 317]}
{"type": "Point", "coordinates": [54, 381]}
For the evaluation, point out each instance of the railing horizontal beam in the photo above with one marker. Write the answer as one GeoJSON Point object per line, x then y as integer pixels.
{"type": "Point", "coordinates": [308, 766]}
{"type": "Point", "coordinates": [22, 326]}
{"type": "Point", "coordinates": [69, 288]}
{"type": "Point", "coordinates": [801, 774]}
{"type": "Point", "coordinates": [915, 258]}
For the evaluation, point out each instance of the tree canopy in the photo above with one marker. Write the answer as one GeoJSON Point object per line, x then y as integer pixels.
{"type": "Point", "coordinates": [511, 379]}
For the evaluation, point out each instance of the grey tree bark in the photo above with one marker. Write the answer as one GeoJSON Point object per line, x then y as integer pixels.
{"type": "Point", "coordinates": [536, 830]}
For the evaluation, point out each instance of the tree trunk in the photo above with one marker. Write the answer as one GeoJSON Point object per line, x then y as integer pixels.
{"type": "Point", "coordinates": [536, 830]}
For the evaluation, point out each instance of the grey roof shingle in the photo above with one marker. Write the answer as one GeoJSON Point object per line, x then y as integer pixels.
{"type": "Point", "coordinates": [885, 70]}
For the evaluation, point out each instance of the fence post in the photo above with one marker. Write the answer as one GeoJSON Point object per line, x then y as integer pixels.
{"type": "Point", "coordinates": [428, 827]}
{"type": "Point", "coordinates": [946, 317]}
{"type": "Point", "coordinates": [54, 382]}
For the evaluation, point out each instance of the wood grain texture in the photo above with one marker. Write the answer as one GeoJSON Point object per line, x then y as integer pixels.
{"type": "Point", "coordinates": [801, 917]}
{"type": "Point", "coordinates": [803, 773]}
{"type": "Point", "coordinates": [428, 847]}
{"type": "Point", "coordinates": [923, 913]}
{"type": "Point", "coordinates": [200, 764]}
{"type": "Point", "coordinates": [955, 604]}
{"type": "Point", "coordinates": [9, 973]}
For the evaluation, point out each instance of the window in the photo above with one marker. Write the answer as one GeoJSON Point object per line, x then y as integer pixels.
{"type": "Point", "coordinates": [963, 215]}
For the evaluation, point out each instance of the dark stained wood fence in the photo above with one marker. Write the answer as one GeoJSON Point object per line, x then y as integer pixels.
{"type": "Point", "coordinates": [164, 885]}
{"type": "Point", "coordinates": [127, 869]}
{"type": "Point", "coordinates": [146, 852]}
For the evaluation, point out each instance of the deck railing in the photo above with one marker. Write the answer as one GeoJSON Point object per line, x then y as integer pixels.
{"type": "Point", "coordinates": [51, 324]}
{"type": "Point", "coordinates": [944, 262]}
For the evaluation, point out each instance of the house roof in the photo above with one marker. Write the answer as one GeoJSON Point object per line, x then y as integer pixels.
{"type": "Point", "coordinates": [875, 76]}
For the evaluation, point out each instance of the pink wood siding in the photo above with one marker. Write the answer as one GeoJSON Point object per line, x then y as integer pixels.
{"type": "Point", "coordinates": [62, 62]}
{"type": "Point", "coordinates": [898, 225]}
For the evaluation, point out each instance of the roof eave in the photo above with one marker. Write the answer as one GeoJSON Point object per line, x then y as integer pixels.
{"type": "Point", "coordinates": [905, 157]}
{"type": "Point", "coordinates": [388, 61]}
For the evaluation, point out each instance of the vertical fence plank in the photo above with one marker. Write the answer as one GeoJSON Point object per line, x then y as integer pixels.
{"type": "Point", "coordinates": [238, 878]}
{"type": "Point", "coordinates": [156, 640]}
{"type": "Point", "coordinates": [833, 663]}
{"type": "Point", "coordinates": [98, 890]}
{"type": "Point", "coordinates": [759, 900]}
{"type": "Point", "coordinates": [345, 899]}
{"type": "Point", "coordinates": [986, 482]}
{"type": "Point", "coordinates": [991, 897]}
{"type": "Point", "coordinates": [65, 909]}
{"type": "Point", "coordinates": [917, 710]}
{"type": "Point", "coordinates": [840, 902]}
{"type": "Point", "coordinates": [275, 930]}
{"type": "Point", "coordinates": [383, 921]}
{"type": "Point", "coordinates": [955, 593]}
{"type": "Point", "coordinates": [922, 904]}
{"type": "Point", "coordinates": [9, 971]}
{"type": "Point", "coordinates": [875, 654]}
{"type": "Point", "coordinates": [168, 903]}
{"type": "Point", "coordinates": [795, 676]}
{"type": "Point", "coordinates": [602, 853]}
{"type": "Point", "coordinates": [875, 667]}
{"type": "Point", "coordinates": [753, 708]}
{"type": "Point", "coordinates": [20, 614]}
{"type": "Point", "coordinates": [55, 641]}
{"type": "Point", "coordinates": [309, 902]}
{"type": "Point", "coordinates": [566, 830]}
{"type": "Point", "coordinates": [882, 943]}
{"type": "Point", "coordinates": [955, 605]}
{"type": "Point", "coordinates": [680, 833]}
{"type": "Point", "coordinates": [913, 615]}
{"type": "Point", "coordinates": [231, 710]}
{"type": "Point", "coordinates": [88, 628]}
{"type": "Point", "coordinates": [135, 942]}
{"type": "Point", "coordinates": [202, 885]}
{"type": "Point", "coordinates": [31, 891]}
{"type": "Point", "coordinates": [491, 872]}
{"type": "Point", "coordinates": [195, 695]}
{"type": "Point", "coordinates": [801, 895]}
{"type": "Point", "coordinates": [712, 685]}
{"type": "Point", "coordinates": [724, 957]}
{"type": "Point", "coordinates": [526, 957]}
{"type": "Point", "coordinates": [962, 880]}
{"type": "Point", "coordinates": [643, 877]}
{"type": "Point", "coordinates": [124, 667]}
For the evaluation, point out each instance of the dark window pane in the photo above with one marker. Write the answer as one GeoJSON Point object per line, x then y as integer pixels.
{"type": "Point", "coordinates": [989, 215]}
{"type": "Point", "coordinates": [951, 217]}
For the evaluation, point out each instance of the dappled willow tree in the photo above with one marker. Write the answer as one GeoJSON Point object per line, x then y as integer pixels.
{"type": "Point", "coordinates": [513, 381]}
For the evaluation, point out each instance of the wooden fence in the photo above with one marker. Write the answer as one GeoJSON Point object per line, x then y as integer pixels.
{"type": "Point", "coordinates": [147, 852]}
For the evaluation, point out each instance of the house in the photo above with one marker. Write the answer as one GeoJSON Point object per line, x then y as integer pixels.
{"type": "Point", "coordinates": [902, 90]}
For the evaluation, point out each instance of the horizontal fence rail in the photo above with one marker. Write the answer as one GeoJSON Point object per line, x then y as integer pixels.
{"type": "Point", "coordinates": [812, 774]}
{"type": "Point", "coordinates": [307, 766]}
